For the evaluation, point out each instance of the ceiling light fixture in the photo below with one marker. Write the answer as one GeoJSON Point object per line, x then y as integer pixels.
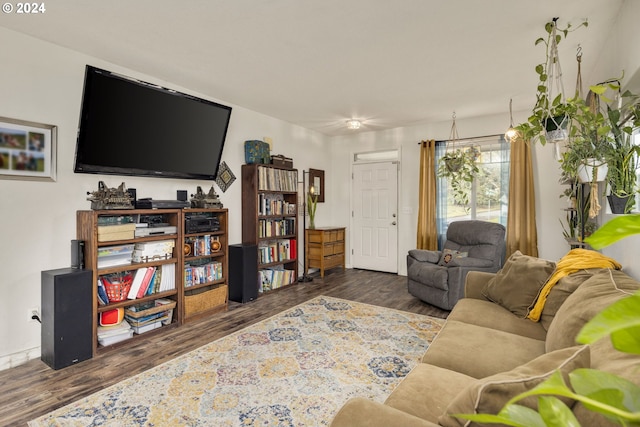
{"type": "Point", "coordinates": [354, 124]}
{"type": "Point", "coordinates": [511, 133]}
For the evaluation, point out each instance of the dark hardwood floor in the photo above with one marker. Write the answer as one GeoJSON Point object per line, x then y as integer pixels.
{"type": "Point", "coordinates": [33, 389]}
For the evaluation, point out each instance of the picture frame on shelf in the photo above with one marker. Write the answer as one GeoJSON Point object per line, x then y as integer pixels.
{"type": "Point", "coordinates": [316, 178]}
{"type": "Point", "coordinates": [27, 150]}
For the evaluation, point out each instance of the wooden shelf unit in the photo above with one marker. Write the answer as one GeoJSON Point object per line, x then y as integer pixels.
{"type": "Point", "coordinates": [87, 230]}
{"type": "Point", "coordinates": [325, 248]}
{"type": "Point", "coordinates": [269, 220]}
{"type": "Point", "coordinates": [210, 295]}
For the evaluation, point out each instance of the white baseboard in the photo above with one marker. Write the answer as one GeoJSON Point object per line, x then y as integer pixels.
{"type": "Point", "coordinates": [17, 359]}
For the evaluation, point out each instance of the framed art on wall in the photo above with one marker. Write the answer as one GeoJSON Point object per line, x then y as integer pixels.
{"type": "Point", "coordinates": [316, 178]}
{"type": "Point", "coordinates": [27, 150]}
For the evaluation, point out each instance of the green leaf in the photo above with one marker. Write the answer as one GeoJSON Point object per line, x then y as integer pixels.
{"type": "Point", "coordinates": [555, 413]}
{"type": "Point", "coordinates": [614, 230]}
{"type": "Point", "coordinates": [598, 89]}
{"type": "Point", "coordinates": [511, 415]}
{"type": "Point", "coordinates": [620, 320]}
{"type": "Point", "coordinates": [608, 394]}
{"type": "Point", "coordinates": [553, 385]}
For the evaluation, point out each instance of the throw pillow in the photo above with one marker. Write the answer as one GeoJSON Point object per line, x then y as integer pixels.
{"type": "Point", "coordinates": [449, 256]}
{"type": "Point", "coordinates": [488, 395]}
{"type": "Point", "coordinates": [517, 284]}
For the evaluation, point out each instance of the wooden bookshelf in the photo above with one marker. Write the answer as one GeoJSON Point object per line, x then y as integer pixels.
{"type": "Point", "coordinates": [87, 229]}
{"type": "Point", "coordinates": [269, 220]}
{"type": "Point", "coordinates": [205, 266]}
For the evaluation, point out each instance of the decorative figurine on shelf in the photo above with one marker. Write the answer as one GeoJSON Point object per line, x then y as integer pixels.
{"type": "Point", "coordinates": [209, 200]}
{"type": "Point", "coordinates": [110, 198]}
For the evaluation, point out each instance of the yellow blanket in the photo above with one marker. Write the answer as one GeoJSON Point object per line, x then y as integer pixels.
{"type": "Point", "coordinates": [574, 260]}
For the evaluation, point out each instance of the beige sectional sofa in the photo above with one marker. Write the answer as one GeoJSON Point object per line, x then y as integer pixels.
{"type": "Point", "coordinates": [488, 351]}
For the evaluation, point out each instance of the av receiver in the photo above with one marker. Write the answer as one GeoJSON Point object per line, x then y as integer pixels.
{"type": "Point", "coordinates": [200, 223]}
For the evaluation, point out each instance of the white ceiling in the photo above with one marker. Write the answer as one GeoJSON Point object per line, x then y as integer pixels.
{"type": "Point", "coordinates": [317, 63]}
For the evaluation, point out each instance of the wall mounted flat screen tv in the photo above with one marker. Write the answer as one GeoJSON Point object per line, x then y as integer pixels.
{"type": "Point", "coordinates": [130, 127]}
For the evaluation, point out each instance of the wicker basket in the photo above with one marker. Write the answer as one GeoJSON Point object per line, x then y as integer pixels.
{"type": "Point", "coordinates": [117, 288]}
{"type": "Point", "coordinates": [206, 300]}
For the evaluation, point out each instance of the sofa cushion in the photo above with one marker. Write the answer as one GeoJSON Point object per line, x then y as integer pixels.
{"type": "Point", "coordinates": [427, 391]}
{"type": "Point", "coordinates": [495, 316]}
{"type": "Point", "coordinates": [516, 285]}
{"type": "Point", "coordinates": [560, 292]}
{"type": "Point", "coordinates": [489, 395]}
{"type": "Point", "coordinates": [597, 292]}
{"type": "Point", "coordinates": [478, 351]}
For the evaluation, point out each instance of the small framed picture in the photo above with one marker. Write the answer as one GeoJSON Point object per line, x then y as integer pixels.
{"type": "Point", "coordinates": [27, 150]}
{"type": "Point", "coordinates": [316, 178]}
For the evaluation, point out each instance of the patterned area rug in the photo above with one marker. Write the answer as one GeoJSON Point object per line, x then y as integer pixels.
{"type": "Point", "coordinates": [295, 369]}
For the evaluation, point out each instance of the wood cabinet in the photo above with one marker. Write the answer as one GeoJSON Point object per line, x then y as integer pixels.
{"type": "Point", "coordinates": [269, 220]}
{"type": "Point", "coordinates": [109, 235]}
{"type": "Point", "coordinates": [206, 262]}
{"type": "Point", "coordinates": [325, 248]}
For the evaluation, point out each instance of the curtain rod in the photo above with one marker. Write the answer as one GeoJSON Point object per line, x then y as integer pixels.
{"type": "Point", "coordinates": [470, 140]}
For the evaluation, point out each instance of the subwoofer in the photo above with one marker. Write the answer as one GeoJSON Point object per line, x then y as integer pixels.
{"type": "Point", "coordinates": [243, 273]}
{"type": "Point", "coordinates": [66, 315]}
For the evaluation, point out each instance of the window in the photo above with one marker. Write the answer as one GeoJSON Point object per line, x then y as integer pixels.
{"type": "Point", "coordinates": [488, 194]}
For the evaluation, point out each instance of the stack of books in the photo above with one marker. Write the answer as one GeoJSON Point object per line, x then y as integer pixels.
{"type": "Point", "coordinates": [150, 251]}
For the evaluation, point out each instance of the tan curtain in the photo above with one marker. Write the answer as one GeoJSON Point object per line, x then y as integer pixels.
{"type": "Point", "coordinates": [522, 233]}
{"type": "Point", "coordinates": [427, 233]}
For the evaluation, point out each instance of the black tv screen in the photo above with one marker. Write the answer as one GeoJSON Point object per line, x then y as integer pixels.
{"type": "Point", "coordinates": [130, 127]}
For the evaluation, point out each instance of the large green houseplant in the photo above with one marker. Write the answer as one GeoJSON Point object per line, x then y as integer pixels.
{"type": "Point", "coordinates": [624, 156]}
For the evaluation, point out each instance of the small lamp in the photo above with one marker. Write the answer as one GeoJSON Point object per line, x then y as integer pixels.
{"type": "Point", "coordinates": [511, 133]}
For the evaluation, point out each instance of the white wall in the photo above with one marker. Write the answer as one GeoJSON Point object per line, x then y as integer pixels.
{"type": "Point", "coordinates": [42, 83]}
{"type": "Point", "coordinates": [549, 205]}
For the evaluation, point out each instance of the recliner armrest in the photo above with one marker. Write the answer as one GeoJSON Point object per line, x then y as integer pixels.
{"type": "Point", "coordinates": [474, 283]}
{"type": "Point", "coordinates": [424, 255]}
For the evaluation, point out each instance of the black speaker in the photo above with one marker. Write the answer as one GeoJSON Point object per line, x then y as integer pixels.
{"type": "Point", "coordinates": [182, 195]}
{"type": "Point", "coordinates": [243, 273]}
{"type": "Point", "coordinates": [77, 254]}
{"type": "Point", "coordinates": [66, 300]}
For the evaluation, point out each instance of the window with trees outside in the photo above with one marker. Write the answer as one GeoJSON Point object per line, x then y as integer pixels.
{"type": "Point", "coordinates": [487, 194]}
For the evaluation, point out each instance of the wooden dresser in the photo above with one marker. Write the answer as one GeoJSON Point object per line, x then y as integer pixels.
{"type": "Point", "coordinates": [324, 248]}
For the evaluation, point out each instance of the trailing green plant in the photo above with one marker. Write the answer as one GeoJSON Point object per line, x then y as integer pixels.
{"type": "Point", "coordinates": [459, 167]}
{"type": "Point", "coordinates": [546, 107]}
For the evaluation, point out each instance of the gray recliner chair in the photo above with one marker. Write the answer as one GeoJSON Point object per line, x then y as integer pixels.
{"type": "Point", "coordinates": [437, 277]}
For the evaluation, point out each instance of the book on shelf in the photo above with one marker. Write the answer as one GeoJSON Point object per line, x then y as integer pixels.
{"type": "Point", "coordinates": [103, 299]}
{"type": "Point", "coordinates": [274, 278]}
{"type": "Point", "coordinates": [146, 281]}
{"type": "Point", "coordinates": [138, 277]}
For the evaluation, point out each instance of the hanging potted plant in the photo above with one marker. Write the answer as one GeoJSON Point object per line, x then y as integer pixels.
{"type": "Point", "coordinates": [458, 165]}
{"type": "Point", "coordinates": [550, 117]}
